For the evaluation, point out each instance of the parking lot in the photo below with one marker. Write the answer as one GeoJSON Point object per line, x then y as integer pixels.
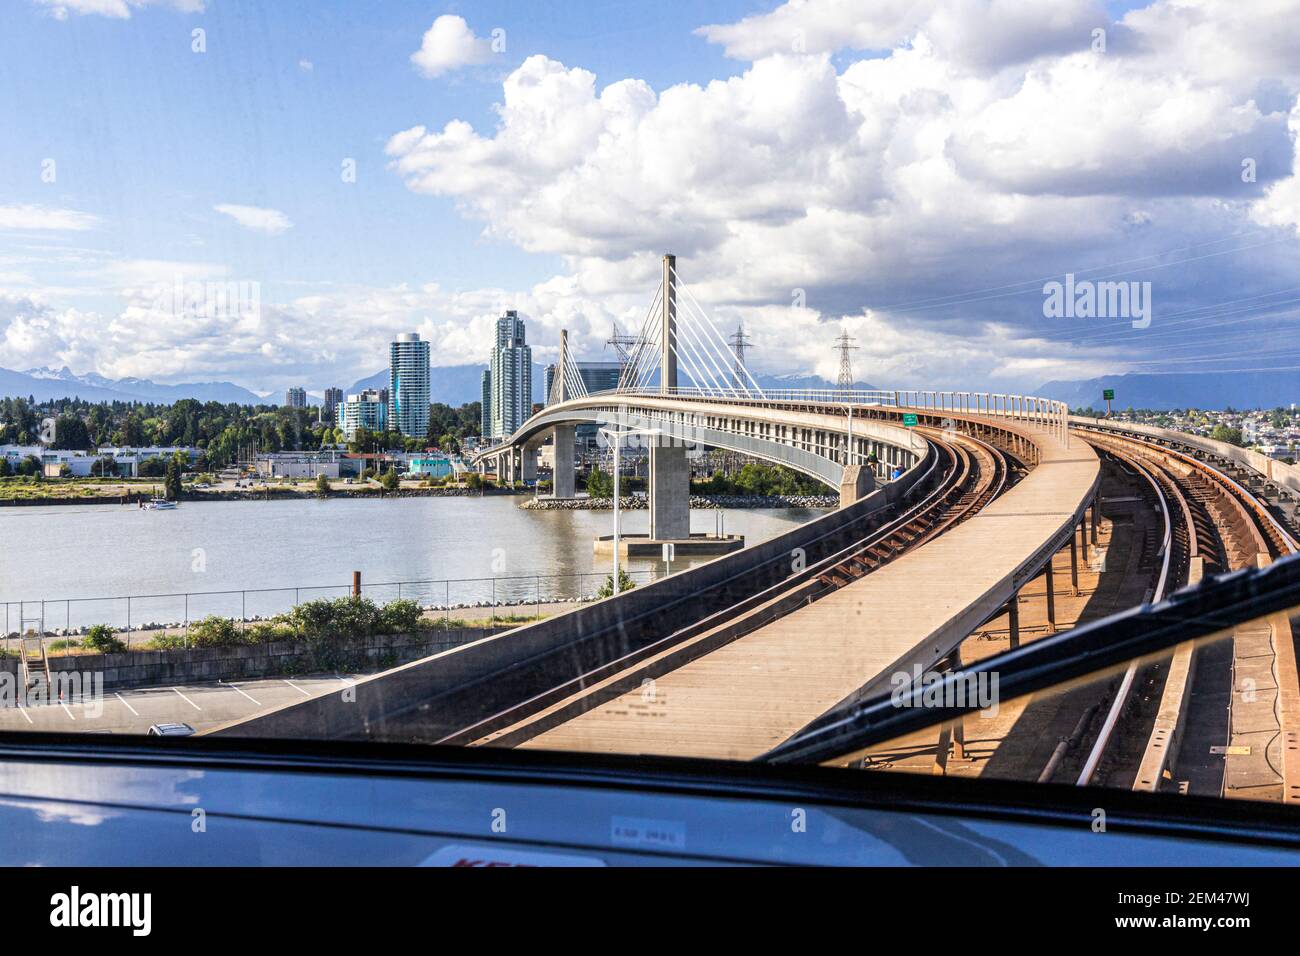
{"type": "Point", "coordinates": [199, 705]}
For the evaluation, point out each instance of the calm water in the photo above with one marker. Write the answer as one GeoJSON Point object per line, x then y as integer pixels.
{"type": "Point", "coordinates": [310, 548]}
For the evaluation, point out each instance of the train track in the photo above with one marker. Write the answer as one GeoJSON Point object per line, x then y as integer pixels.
{"type": "Point", "coordinates": [982, 472]}
{"type": "Point", "coordinates": [1218, 718]}
{"type": "Point", "coordinates": [976, 472]}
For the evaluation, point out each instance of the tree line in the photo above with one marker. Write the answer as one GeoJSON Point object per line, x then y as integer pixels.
{"type": "Point", "coordinates": [220, 430]}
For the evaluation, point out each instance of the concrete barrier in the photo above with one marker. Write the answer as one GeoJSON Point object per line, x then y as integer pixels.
{"type": "Point", "coordinates": [432, 698]}
{"type": "Point", "coordinates": [1279, 472]}
{"type": "Point", "coordinates": [250, 661]}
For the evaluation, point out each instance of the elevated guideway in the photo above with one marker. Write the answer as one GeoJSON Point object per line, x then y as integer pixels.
{"type": "Point", "coordinates": [454, 696]}
{"type": "Point", "coordinates": [744, 698]}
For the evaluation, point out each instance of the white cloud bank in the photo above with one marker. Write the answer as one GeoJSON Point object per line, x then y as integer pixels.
{"type": "Point", "coordinates": [966, 145]}
{"type": "Point", "coordinates": [34, 217]}
{"type": "Point", "coordinates": [114, 9]}
{"type": "Point", "coordinates": [993, 139]}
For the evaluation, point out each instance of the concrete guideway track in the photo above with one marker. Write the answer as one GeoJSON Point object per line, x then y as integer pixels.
{"type": "Point", "coordinates": [977, 472]}
{"type": "Point", "coordinates": [755, 692]}
{"type": "Point", "coordinates": [1228, 717]}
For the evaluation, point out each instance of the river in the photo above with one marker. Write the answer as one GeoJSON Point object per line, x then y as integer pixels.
{"type": "Point", "coordinates": [225, 555]}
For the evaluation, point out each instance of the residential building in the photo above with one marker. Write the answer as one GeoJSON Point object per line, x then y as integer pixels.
{"type": "Point", "coordinates": [485, 405]}
{"type": "Point", "coordinates": [296, 397]}
{"type": "Point", "coordinates": [408, 385]}
{"type": "Point", "coordinates": [333, 399]}
{"type": "Point", "coordinates": [368, 409]}
{"type": "Point", "coordinates": [509, 378]}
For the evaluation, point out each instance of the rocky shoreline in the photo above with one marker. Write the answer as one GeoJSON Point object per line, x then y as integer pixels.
{"type": "Point", "coordinates": [697, 501]}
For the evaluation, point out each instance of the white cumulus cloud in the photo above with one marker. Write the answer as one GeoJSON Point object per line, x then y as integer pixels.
{"type": "Point", "coordinates": [449, 45]}
{"type": "Point", "coordinates": [270, 221]}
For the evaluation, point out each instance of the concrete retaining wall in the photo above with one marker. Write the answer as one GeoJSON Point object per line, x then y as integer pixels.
{"type": "Point", "coordinates": [247, 662]}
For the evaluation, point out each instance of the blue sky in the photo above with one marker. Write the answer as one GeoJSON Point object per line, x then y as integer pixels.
{"type": "Point", "coordinates": [910, 171]}
{"type": "Point", "coordinates": [150, 136]}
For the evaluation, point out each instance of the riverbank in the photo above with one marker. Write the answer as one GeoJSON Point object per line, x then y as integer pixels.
{"type": "Point", "coordinates": [701, 502]}
{"type": "Point", "coordinates": [134, 497]}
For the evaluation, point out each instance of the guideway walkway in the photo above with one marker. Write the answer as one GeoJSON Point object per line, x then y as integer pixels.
{"type": "Point", "coordinates": [739, 701]}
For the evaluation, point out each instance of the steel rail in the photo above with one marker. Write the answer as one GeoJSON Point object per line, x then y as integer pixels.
{"type": "Point", "coordinates": [1126, 684]}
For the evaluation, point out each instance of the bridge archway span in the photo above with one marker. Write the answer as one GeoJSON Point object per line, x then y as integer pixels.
{"type": "Point", "coordinates": [818, 442]}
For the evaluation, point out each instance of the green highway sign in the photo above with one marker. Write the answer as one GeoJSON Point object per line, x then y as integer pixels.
{"type": "Point", "coordinates": [909, 420]}
{"type": "Point", "coordinates": [1107, 394]}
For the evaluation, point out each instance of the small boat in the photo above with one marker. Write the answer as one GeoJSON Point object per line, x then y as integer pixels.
{"type": "Point", "coordinates": [160, 504]}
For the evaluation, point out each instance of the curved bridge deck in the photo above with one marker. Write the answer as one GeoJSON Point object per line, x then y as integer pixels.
{"type": "Point", "coordinates": [742, 699]}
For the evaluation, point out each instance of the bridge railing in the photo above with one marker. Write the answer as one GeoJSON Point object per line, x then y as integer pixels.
{"type": "Point", "coordinates": [1037, 411]}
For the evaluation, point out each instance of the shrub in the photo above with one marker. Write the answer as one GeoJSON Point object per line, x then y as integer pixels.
{"type": "Point", "coordinates": [341, 618]}
{"type": "Point", "coordinates": [214, 631]}
{"type": "Point", "coordinates": [101, 638]}
{"type": "Point", "coordinates": [267, 632]}
{"type": "Point", "coordinates": [322, 485]}
{"type": "Point", "coordinates": [400, 617]}
{"type": "Point", "coordinates": [625, 583]}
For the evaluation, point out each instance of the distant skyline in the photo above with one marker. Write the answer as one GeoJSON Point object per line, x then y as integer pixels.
{"type": "Point", "coordinates": [913, 173]}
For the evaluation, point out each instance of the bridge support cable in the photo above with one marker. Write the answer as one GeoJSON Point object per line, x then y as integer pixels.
{"type": "Point", "coordinates": [708, 377]}
{"type": "Point", "coordinates": [643, 361]}
{"type": "Point", "coordinates": [642, 365]}
{"type": "Point", "coordinates": [748, 388]}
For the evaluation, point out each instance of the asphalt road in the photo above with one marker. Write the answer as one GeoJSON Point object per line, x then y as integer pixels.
{"type": "Point", "coordinates": [199, 705]}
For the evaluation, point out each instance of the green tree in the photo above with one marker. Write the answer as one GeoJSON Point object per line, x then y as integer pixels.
{"type": "Point", "coordinates": [100, 637]}
{"type": "Point", "coordinates": [70, 432]}
{"type": "Point", "coordinates": [389, 480]}
{"type": "Point", "coordinates": [172, 483]}
{"type": "Point", "coordinates": [1227, 434]}
{"type": "Point", "coordinates": [322, 485]}
{"type": "Point", "coordinates": [625, 583]}
{"type": "Point", "coordinates": [600, 484]}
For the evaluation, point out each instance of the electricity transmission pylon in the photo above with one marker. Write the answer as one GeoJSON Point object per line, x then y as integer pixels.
{"type": "Point", "coordinates": [845, 346]}
{"type": "Point", "coordinates": [739, 341]}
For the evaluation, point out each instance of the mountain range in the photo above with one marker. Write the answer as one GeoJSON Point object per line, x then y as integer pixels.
{"type": "Point", "coordinates": [459, 384]}
{"type": "Point", "coordinates": [1204, 390]}
{"type": "Point", "coordinates": [47, 384]}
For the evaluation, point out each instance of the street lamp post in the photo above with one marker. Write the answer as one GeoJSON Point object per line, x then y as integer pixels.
{"type": "Point", "coordinates": [617, 437]}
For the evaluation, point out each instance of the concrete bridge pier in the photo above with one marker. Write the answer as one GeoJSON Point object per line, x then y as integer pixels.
{"type": "Point", "coordinates": [563, 478]}
{"type": "Point", "coordinates": [670, 493]}
{"type": "Point", "coordinates": [857, 483]}
{"type": "Point", "coordinates": [528, 463]}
